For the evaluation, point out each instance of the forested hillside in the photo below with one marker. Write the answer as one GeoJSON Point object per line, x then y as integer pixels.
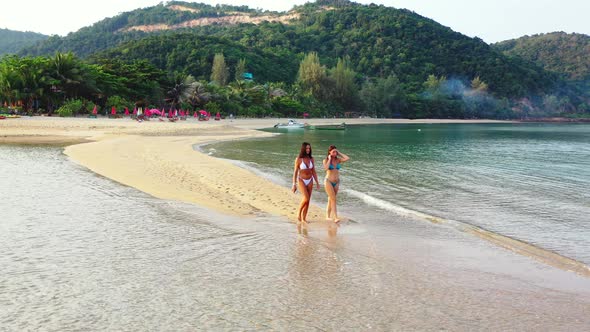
{"type": "Point", "coordinates": [379, 40]}
{"type": "Point", "coordinates": [330, 57]}
{"type": "Point", "coordinates": [565, 54]}
{"type": "Point", "coordinates": [13, 41]}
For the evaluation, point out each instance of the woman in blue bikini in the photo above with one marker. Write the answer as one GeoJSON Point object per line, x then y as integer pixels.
{"type": "Point", "coordinates": [303, 175]}
{"type": "Point", "coordinates": [332, 183]}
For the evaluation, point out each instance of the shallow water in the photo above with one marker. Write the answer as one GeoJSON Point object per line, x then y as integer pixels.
{"type": "Point", "coordinates": [80, 252]}
{"type": "Point", "coordinates": [526, 181]}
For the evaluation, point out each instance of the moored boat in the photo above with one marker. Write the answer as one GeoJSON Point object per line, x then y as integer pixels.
{"type": "Point", "coordinates": [341, 126]}
{"type": "Point", "coordinates": [292, 124]}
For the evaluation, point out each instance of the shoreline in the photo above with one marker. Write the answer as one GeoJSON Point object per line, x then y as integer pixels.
{"type": "Point", "coordinates": [158, 158]}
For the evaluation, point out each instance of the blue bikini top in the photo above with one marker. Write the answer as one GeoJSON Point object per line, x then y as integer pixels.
{"type": "Point", "coordinates": [331, 167]}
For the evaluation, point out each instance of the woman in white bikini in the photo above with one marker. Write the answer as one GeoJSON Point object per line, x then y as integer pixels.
{"type": "Point", "coordinates": [303, 176]}
{"type": "Point", "coordinates": [332, 181]}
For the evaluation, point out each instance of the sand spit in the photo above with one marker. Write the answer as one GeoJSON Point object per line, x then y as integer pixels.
{"type": "Point", "coordinates": [158, 157]}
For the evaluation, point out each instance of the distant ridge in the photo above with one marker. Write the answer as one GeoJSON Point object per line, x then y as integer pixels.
{"type": "Point", "coordinates": [566, 54]}
{"type": "Point", "coordinates": [12, 41]}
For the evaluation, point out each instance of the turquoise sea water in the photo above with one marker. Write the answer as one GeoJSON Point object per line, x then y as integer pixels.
{"type": "Point", "coordinates": [527, 181]}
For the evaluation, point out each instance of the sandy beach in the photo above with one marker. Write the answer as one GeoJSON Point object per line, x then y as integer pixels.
{"type": "Point", "coordinates": [158, 158]}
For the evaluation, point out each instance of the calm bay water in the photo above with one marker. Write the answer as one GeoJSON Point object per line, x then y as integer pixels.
{"type": "Point", "coordinates": [82, 253]}
{"type": "Point", "coordinates": [527, 181]}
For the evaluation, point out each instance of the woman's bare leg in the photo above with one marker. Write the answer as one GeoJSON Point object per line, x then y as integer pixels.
{"type": "Point", "coordinates": [331, 198]}
{"type": "Point", "coordinates": [309, 189]}
{"type": "Point", "coordinates": [305, 195]}
{"type": "Point", "coordinates": [334, 209]}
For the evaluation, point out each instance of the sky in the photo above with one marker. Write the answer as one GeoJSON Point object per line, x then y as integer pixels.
{"type": "Point", "coordinates": [489, 20]}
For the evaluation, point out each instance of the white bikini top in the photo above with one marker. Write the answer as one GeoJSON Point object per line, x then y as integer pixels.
{"type": "Point", "coordinates": [303, 165]}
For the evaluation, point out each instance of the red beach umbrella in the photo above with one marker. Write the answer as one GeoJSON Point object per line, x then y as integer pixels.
{"type": "Point", "coordinates": [113, 110]}
{"type": "Point", "coordinates": [135, 111]}
{"type": "Point", "coordinates": [126, 111]}
{"type": "Point", "coordinates": [94, 111]}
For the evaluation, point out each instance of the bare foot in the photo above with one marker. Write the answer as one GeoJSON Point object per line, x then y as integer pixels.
{"type": "Point", "coordinates": [328, 219]}
{"type": "Point", "coordinates": [336, 220]}
{"type": "Point", "coordinates": [304, 221]}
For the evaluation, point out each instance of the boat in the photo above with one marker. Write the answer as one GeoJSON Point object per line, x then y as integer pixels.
{"type": "Point", "coordinates": [292, 124]}
{"type": "Point", "coordinates": [341, 126]}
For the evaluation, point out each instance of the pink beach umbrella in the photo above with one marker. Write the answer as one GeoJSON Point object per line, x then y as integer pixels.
{"type": "Point", "coordinates": [94, 111]}
{"type": "Point", "coordinates": [126, 111]}
{"type": "Point", "coordinates": [135, 111]}
{"type": "Point", "coordinates": [195, 114]}
{"type": "Point", "coordinates": [113, 110]}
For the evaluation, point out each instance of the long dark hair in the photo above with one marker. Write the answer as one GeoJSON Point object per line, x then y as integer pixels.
{"type": "Point", "coordinates": [332, 147]}
{"type": "Point", "coordinates": [303, 152]}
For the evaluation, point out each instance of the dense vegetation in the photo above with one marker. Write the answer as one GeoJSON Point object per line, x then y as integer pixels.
{"type": "Point", "coordinates": [558, 52]}
{"type": "Point", "coordinates": [13, 41]}
{"type": "Point", "coordinates": [566, 55]}
{"type": "Point", "coordinates": [371, 60]}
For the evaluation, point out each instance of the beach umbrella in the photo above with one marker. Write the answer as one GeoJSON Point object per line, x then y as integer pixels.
{"type": "Point", "coordinates": [135, 111]}
{"type": "Point", "coordinates": [113, 110]}
{"type": "Point", "coordinates": [195, 114]}
{"type": "Point", "coordinates": [181, 113]}
{"type": "Point", "coordinates": [126, 111]}
{"type": "Point", "coordinates": [94, 111]}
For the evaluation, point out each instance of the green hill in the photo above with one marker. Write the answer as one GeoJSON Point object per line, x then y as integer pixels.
{"type": "Point", "coordinates": [358, 59]}
{"type": "Point", "coordinates": [13, 41]}
{"type": "Point", "coordinates": [565, 54]}
{"type": "Point", "coordinates": [380, 41]}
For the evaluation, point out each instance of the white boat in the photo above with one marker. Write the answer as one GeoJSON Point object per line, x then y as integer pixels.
{"type": "Point", "coordinates": [292, 124]}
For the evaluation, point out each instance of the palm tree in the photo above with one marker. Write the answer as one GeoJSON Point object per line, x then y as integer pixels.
{"type": "Point", "coordinates": [197, 96]}
{"type": "Point", "coordinates": [67, 70]}
{"type": "Point", "coordinates": [182, 86]}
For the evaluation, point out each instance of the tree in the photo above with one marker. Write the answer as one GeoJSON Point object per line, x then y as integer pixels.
{"type": "Point", "coordinates": [345, 89]}
{"type": "Point", "coordinates": [219, 71]}
{"type": "Point", "coordinates": [311, 73]}
{"type": "Point", "coordinates": [478, 85]}
{"type": "Point", "coordinates": [197, 96]}
{"type": "Point", "coordinates": [384, 97]}
{"type": "Point", "coordinates": [240, 69]}
{"type": "Point", "coordinates": [66, 69]}
{"type": "Point", "coordinates": [181, 86]}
